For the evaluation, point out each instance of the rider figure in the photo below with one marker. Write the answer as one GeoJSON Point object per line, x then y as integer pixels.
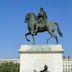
{"type": "Point", "coordinates": [41, 18]}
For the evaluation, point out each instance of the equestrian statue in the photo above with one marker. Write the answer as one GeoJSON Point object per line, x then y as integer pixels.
{"type": "Point", "coordinates": [40, 23]}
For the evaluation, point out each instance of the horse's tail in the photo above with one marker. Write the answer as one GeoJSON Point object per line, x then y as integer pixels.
{"type": "Point", "coordinates": [58, 29]}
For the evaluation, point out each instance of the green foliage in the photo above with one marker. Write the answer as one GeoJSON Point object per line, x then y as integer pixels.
{"type": "Point", "coordinates": [9, 67]}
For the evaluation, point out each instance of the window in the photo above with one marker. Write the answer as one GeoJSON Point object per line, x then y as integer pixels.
{"type": "Point", "coordinates": [66, 65]}
{"type": "Point", "coordinates": [66, 69]}
{"type": "Point", "coordinates": [63, 69]}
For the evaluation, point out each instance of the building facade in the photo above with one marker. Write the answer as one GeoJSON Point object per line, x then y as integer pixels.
{"type": "Point", "coordinates": [9, 60]}
{"type": "Point", "coordinates": [67, 64]}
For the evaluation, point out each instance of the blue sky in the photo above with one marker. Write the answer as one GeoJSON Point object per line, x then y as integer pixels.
{"type": "Point", "coordinates": [13, 28]}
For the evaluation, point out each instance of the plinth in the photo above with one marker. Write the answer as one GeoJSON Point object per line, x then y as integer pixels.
{"type": "Point", "coordinates": [35, 57]}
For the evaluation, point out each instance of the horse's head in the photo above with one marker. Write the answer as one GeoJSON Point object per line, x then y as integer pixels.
{"type": "Point", "coordinates": [29, 16]}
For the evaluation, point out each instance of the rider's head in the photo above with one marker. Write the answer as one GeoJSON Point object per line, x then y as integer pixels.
{"type": "Point", "coordinates": [41, 9]}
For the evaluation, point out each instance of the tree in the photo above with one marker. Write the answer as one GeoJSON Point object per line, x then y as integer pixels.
{"type": "Point", "coordinates": [9, 67]}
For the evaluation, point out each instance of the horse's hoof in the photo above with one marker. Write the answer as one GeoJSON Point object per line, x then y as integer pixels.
{"type": "Point", "coordinates": [28, 40]}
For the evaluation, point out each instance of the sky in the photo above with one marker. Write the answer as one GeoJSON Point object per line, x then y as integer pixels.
{"type": "Point", "coordinates": [13, 28]}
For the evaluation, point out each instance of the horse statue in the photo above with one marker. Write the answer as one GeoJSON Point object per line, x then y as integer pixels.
{"type": "Point", "coordinates": [44, 70]}
{"type": "Point", "coordinates": [32, 21]}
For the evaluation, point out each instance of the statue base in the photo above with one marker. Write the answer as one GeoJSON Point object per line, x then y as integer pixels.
{"type": "Point", "coordinates": [35, 57]}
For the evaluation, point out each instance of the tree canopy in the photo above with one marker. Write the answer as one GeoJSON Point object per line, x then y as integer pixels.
{"type": "Point", "coordinates": [9, 67]}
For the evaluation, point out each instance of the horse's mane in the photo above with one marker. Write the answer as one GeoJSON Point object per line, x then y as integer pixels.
{"type": "Point", "coordinates": [32, 14]}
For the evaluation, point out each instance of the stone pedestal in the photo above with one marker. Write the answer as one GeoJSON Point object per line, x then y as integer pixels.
{"type": "Point", "coordinates": [34, 57]}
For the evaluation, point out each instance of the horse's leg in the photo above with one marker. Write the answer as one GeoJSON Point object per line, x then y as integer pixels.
{"type": "Point", "coordinates": [56, 39]}
{"type": "Point", "coordinates": [49, 39]}
{"type": "Point", "coordinates": [50, 35]}
{"type": "Point", "coordinates": [33, 39]}
{"type": "Point", "coordinates": [54, 36]}
{"type": "Point", "coordinates": [26, 36]}
{"type": "Point", "coordinates": [32, 33]}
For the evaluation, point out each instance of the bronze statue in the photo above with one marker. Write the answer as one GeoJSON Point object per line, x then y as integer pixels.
{"type": "Point", "coordinates": [32, 22]}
